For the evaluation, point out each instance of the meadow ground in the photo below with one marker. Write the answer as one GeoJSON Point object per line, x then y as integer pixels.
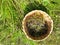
{"type": "Point", "coordinates": [12, 13]}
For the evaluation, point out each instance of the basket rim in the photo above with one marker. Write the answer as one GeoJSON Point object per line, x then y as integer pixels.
{"type": "Point", "coordinates": [47, 18]}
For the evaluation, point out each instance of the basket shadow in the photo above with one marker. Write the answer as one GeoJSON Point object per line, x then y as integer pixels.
{"type": "Point", "coordinates": [35, 6]}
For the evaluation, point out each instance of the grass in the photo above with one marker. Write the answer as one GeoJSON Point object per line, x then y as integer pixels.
{"type": "Point", "coordinates": [12, 13]}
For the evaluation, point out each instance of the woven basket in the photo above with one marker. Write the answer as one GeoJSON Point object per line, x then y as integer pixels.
{"type": "Point", "coordinates": [46, 18]}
